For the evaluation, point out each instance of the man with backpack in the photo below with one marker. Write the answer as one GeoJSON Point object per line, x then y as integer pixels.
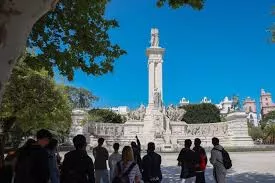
{"type": "Point", "coordinates": [151, 165]}
{"type": "Point", "coordinates": [220, 160]}
{"type": "Point", "coordinates": [188, 161]}
{"type": "Point", "coordinates": [200, 152]}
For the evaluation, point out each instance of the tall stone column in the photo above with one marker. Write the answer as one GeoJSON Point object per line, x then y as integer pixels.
{"type": "Point", "coordinates": [154, 54]}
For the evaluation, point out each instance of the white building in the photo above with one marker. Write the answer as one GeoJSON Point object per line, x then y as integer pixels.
{"type": "Point", "coordinates": [184, 102]}
{"type": "Point", "coordinates": [225, 106]}
{"type": "Point", "coordinates": [122, 110]}
{"type": "Point", "coordinates": [206, 100]}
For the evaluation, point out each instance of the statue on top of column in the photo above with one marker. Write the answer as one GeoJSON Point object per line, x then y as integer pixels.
{"type": "Point", "coordinates": [154, 38]}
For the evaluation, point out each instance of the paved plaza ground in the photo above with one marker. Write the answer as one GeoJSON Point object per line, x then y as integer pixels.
{"type": "Point", "coordinates": [248, 167]}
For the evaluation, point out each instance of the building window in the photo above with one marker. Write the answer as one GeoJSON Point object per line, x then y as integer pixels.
{"type": "Point", "coordinates": [250, 109]}
{"type": "Point", "coordinates": [266, 99]}
{"type": "Point", "coordinates": [266, 104]}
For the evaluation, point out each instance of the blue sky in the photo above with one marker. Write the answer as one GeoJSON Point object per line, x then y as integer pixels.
{"type": "Point", "coordinates": [219, 51]}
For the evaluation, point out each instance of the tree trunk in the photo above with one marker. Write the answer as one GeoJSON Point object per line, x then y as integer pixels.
{"type": "Point", "coordinates": [17, 18]}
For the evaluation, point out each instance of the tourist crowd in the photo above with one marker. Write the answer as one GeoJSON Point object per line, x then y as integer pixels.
{"type": "Point", "coordinates": [39, 162]}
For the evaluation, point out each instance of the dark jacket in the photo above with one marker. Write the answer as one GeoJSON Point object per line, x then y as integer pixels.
{"type": "Point", "coordinates": [199, 152]}
{"type": "Point", "coordinates": [32, 165]}
{"type": "Point", "coordinates": [77, 167]}
{"type": "Point", "coordinates": [151, 166]}
{"type": "Point", "coordinates": [188, 161]}
{"type": "Point", "coordinates": [6, 174]}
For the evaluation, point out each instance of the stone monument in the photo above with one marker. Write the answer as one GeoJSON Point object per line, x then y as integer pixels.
{"type": "Point", "coordinates": [162, 125]}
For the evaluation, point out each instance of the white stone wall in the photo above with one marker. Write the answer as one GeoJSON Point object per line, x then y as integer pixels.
{"type": "Point", "coordinates": [233, 133]}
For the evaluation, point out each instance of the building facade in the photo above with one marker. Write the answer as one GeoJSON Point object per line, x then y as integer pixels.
{"type": "Point", "coordinates": [249, 107]}
{"type": "Point", "coordinates": [266, 103]}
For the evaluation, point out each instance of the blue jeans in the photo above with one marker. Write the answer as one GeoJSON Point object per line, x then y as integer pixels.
{"type": "Point", "coordinates": [101, 175]}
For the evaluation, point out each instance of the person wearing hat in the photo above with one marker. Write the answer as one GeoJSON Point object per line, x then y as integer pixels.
{"type": "Point", "coordinates": [151, 172]}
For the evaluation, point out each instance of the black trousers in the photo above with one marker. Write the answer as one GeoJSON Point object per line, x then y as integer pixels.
{"type": "Point", "coordinates": [200, 178]}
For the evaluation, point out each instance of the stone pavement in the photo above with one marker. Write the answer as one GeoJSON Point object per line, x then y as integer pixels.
{"type": "Point", "coordinates": [248, 167]}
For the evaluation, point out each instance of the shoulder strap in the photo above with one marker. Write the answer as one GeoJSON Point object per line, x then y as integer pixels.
{"type": "Point", "coordinates": [219, 150]}
{"type": "Point", "coordinates": [129, 169]}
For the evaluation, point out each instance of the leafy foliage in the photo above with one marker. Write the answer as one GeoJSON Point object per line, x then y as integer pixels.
{"type": "Point", "coordinates": [269, 132]}
{"type": "Point", "coordinates": [255, 132]}
{"type": "Point", "coordinates": [74, 36]}
{"type": "Point", "coordinates": [105, 116]}
{"type": "Point", "coordinates": [196, 4]}
{"type": "Point", "coordinates": [269, 117]}
{"type": "Point", "coordinates": [79, 97]}
{"type": "Point", "coordinates": [268, 127]}
{"type": "Point", "coordinates": [201, 113]}
{"type": "Point", "coordinates": [33, 101]}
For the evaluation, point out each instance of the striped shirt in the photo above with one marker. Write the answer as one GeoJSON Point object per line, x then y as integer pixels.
{"type": "Point", "coordinates": [135, 172]}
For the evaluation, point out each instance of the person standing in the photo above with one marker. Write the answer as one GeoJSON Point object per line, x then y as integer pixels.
{"type": "Point", "coordinates": [32, 164]}
{"type": "Point", "coordinates": [200, 153]}
{"type": "Point", "coordinates": [113, 160]}
{"type": "Point", "coordinates": [101, 155]}
{"type": "Point", "coordinates": [188, 161]}
{"type": "Point", "coordinates": [77, 166]}
{"type": "Point", "coordinates": [136, 147]}
{"type": "Point", "coordinates": [53, 164]}
{"type": "Point", "coordinates": [151, 172]}
{"type": "Point", "coordinates": [219, 171]}
{"type": "Point", "coordinates": [127, 169]}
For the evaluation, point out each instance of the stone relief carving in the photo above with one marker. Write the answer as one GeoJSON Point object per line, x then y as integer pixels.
{"type": "Point", "coordinates": [175, 113]}
{"type": "Point", "coordinates": [137, 114]}
{"type": "Point", "coordinates": [206, 130]}
{"type": "Point", "coordinates": [106, 129]}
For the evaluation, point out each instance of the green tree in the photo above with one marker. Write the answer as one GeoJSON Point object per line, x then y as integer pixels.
{"type": "Point", "coordinates": [269, 117]}
{"type": "Point", "coordinates": [196, 4]}
{"type": "Point", "coordinates": [33, 101]}
{"type": "Point", "coordinates": [74, 36]}
{"type": "Point", "coordinates": [269, 133]}
{"type": "Point", "coordinates": [268, 126]}
{"type": "Point", "coordinates": [255, 132]}
{"type": "Point", "coordinates": [201, 113]}
{"type": "Point", "coordinates": [105, 116]}
{"type": "Point", "coordinates": [79, 97]}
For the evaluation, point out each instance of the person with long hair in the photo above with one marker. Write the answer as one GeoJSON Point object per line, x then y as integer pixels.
{"type": "Point", "coordinates": [129, 166]}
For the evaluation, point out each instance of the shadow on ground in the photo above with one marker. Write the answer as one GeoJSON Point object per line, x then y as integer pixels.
{"type": "Point", "coordinates": [172, 174]}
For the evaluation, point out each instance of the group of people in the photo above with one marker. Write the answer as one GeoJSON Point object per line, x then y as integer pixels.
{"type": "Point", "coordinates": [193, 162]}
{"type": "Point", "coordinates": [38, 162]}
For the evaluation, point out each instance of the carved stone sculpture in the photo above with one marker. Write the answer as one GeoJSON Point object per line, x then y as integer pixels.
{"type": "Point", "coordinates": [154, 38]}
{"type": "Point", "coordinates": [175, 114]}
{"type": "Point", "coordinates": [157, 101]}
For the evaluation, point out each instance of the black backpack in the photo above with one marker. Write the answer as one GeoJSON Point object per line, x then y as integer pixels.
{"type": "Point", "coordinates": [227, 163]}
{"type": "Point", "coordinates": [123, 178]}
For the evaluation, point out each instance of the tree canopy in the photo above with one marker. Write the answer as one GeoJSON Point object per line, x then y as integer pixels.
{"type": "Point", "coordinates": [201, 113]}
{"type": "Point", "coordinates": [74, 36]}
{"type": "Point", "coordinates": [195, 4]}
{"type": "Point", "coordinates": [33, 101]}
{"type": "Point", "coordinates": [269, 117]}
{"type": "Point", "coordinates": [79, 97]}
{"type": "Point", "coordinates": [105, 116]}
